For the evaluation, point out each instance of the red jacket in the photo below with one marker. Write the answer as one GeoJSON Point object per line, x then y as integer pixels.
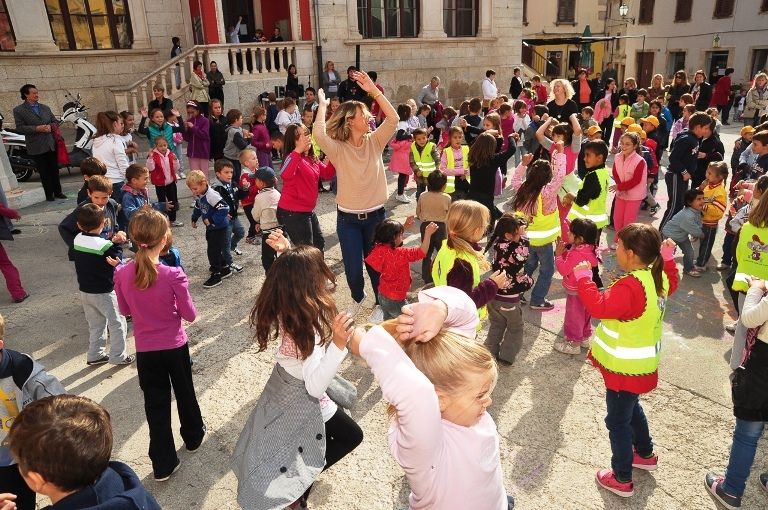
{"type": "Point", "coordinates": [394, 266]}
{"type": "Point", "coordinates": [301, 175]}
{"type": "Point", "coordinates": [722, 92]}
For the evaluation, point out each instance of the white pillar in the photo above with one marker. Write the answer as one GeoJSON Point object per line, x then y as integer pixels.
{"type": "Point", "coordinates": [486, 17]}
{"type": "Point", "coordinates": [7, 178]}
{"type": "Point", "coordinates": [293, 6]}
{"type": "Point", "coordinates": [432, 20]}
{"type": "Point", "coordinates": [139, 25]}
{"type": "Point", "coordinates": [30, 26]}
{"type": "Point", "coordinates": [354, 31]}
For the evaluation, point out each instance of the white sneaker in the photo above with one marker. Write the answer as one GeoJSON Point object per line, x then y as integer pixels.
{"type": "Point", "coordinates": [237, 251]}
{"type": "Point", "coordinates": [403, 199]}
{"type": "Point", "coordinates": [182, 175]}
{"type": "Point", "coordinates": [177, 223]}
{"type": "Point", "coordinates": [377, 314]}
{"type": "Point", "coordinates": [567, 347]}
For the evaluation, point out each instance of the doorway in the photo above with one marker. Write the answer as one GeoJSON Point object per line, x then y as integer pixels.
{"type": "Point", "coordinates": [715, 60]}
{"type": "Point", "coordinates": [644, 68]}
{"type": "Point", "coordinates": [231, 9]}
{"type": "Point", "coordinates": [554, 64]}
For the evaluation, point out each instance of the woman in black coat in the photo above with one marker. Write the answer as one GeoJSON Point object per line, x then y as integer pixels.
{"type": "Point", "coordinates": [610, 94]}
{"type": "Point", "coordinates": [292, 87]}
{"type": "Point", "coordinates": [701, 91]}
{"type": "Point", "coordinates": [215, 83]}
{"type": "Point", "coordinates": [679, 87]}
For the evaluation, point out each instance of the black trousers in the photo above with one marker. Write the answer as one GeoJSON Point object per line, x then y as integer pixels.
{"type": "Point", "coordinates": [216, 93]}
{"type": "Point", "coordinates": [158, 372]}
{"type": "Point", "coordinates": [48, 167]}
{"type": "Point", "coordinates": [268, 254]}
{"type": "Point", "coordinates": [248, 210]}
{"type": "Point", "coordinates": [435, 242]}
{"type": "Point", "coordinates": [606, 126]}
{"type": "Point", "coordinates": [169, 193]}
{"type": "Point", "coordinates": [216, 240]}
{"type": "Point", "coordinates": [402, 180]}
{"type": "Point", "coordinates": [676, 188]}
{"type": "Point", "coordinates": [12, 482]}
{"type": "Point", "coordinates": [302, 228]}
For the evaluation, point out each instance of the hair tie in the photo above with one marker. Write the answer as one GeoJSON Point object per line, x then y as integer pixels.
{"type": "Point", "coordinates": [143, 245]}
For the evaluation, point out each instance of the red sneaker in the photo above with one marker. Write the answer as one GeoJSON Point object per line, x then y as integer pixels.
{"type": "Point", "coordinates": [650, 464]}
{"type": "Point", "coordinates": [607, 480]}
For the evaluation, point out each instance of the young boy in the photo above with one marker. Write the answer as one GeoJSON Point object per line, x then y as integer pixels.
{"type": "Point", "coordinates": [230, 192]}
{"type": "Point", "coordinates": [530, 142]}
{"type": "Point", "coordinates": [640, 107]}
{"type": "Point", "coordinates": [72, 431]}
{"type": "Point", "coordinates": [715, 200]}
{"type": "Point", "coordinates": [760, 148]}
{"type": "Point", "coordinates": [586, 121]}
{"type": "Point", "coordinates": [432, 207]}
{"type": "Point", "coordinates": [215, 213]}
{"type": "Point", "coordinates": [288, 115]}
{"type": "Point", "coordinates": [90, 167]}
{"type": "Point", "coordinates": [591, 199]}
{"type": "Point", "coordinates": [136, 194]}
{"type": "Point", "coordinates": [592, 133]}
{"type": "Point", "coordinates": [95, 262]}
{"type": "Point", "coordinates": [473, 123]}
{"type": "Point", "coordinates": [22, 382]}
{"type": "Point", "coordinates": [686, 223]}
{"type": "Point", "coordinates": [99, 191]}
{"type": "Point", "coordinates": [743, 156]}
{"type": "Point", "coordinates": [424, 111]}
{"type": "Point", "coordinates": [265, 212]}
{"type": "Point", "coordinates": [424, 159]}
{"type": "Point", "coordinates": [250, 163]}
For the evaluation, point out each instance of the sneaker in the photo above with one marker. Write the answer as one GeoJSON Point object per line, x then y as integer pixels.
{"type": "Point", "coordinates": [192, 447]}
{"type": "Point", "coordinates": [236, 251]}
{"type": "Point", "coordinates": [693, 273]}
{"type": "Point", "coordinates": [356, 306]}
{"type": "Point", "coordinates": [234, 267]}
{"type": "Point", "coordinates": [126, 361]}
{"type": "Point", "coordinates": [545, 306]}
{"type": "Point", "coordinates": [714, 485]}
{"type": "Point", "coordinates": [764, 481]}
{"type": "Point", "coordinates": [98, 361]}
{"type": "Point", "coordinates": [377, 314]}
{"type": "Point", "coordinates": [182, 175]}
{"type": "Point", "coordinates": [607, 480]}
{"type": "Point", "coordinates": [213, 281]}
{"type": "Point", "coordinates": [192, 205]}
{"type": "Point", "coordinates": [22, 298]}
{"type": "Point", "coordinates": [165, 476]}
{"type": "Point", "coordinates": [226, 273]}
{"type": "Point", "coordinates": [403, 199]}
{"type": "Point", "coordinates": [731, 328]}
{"type": "Point", "coordinates": [177, 224]}
{"type": "Point", "coordinates": [252, 240]}
{"type": "Point", "coordinates": [640, 462]}
{"type": "Point", "coordinates": [567, 347]}
{"type": "Point", "coordinates": [723, 267]}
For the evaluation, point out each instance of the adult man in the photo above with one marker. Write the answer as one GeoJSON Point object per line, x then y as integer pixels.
{"type": "Point", "coordinates": [175, 52]}
{"type": "Point", "coordinates": [516, 85]}
{"type": "Point", "coordinates": [350, 90]}
{"type": "Point", "coordinates": [609, 72]}
{"type": "Point", "coordinates": [35, 121]}
{"type": "Point", "coordinates": [430, 95]}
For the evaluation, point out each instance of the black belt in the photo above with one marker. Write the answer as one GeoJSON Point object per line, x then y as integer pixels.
{"type": "Point", "coordinates": [359, 216]}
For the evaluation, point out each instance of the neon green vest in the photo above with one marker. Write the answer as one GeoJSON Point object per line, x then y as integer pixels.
{"type": "Point", "coordinates": [624, 111]}
{"type": "Point", "coordinates": [544, 228]}
{"type": "Point", "coordinates": [315, 148]}
{"type": "Point", "coordinates": [424, 161]}
{"type": "Point", "coordinates": [633, 347]}
{"type": "Point", "coordinates": [595, 210]}
{"type": "Point", "coordinates": [751, 256]}
{"type": "Point", "coordinates": [450, 162]}
{"type": "Point", "coordinates": [444, 262]}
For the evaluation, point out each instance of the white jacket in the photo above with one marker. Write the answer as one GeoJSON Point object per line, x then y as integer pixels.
{"type": "Point", "coordinates": [110, 149]}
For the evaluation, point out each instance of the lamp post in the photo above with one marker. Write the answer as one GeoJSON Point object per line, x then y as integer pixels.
{"type": "Point", "coordinates": [624, 11]}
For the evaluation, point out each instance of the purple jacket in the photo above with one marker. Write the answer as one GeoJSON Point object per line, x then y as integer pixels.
{"type": "Point", "coordinates": [198, 138]}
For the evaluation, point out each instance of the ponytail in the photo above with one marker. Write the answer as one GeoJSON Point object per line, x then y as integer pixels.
{"type": "Point", "coordinates": [645, 242]}
{"type": "Point", "coordinates": [147, 229]}
{"type": "Point", "coordinates": [146, 272]}
{"type": "Point", "coordinates": [657, 271]}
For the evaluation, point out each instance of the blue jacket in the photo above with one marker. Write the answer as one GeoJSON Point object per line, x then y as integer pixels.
{"type": "Point", "coordinates": [683, 156]}
{"type": "Point", "coordinates": [68, 227]}
{"type": "Point", "coordinates": [135, 199]}
{"type": "Point", "coordinates": [684, 223]}
{"type": "Point", "coordinates": [210, 206]}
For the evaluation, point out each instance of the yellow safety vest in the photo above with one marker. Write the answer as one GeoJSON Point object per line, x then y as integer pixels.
{"type": "Point", "coordinates": [544, 228]}
{"type": "Point", "coordinates": [443, 264]}
{"type": "Point", "coordinates": [450, 163]}
{"type": "Point", "coordinates": [751, 256]}
{"type": "Point", "coordinates": [424, 161]}
{"type": "Point", "coordinates": [624, 111]}
{"type": "Point", "coordinates": [596, 209]}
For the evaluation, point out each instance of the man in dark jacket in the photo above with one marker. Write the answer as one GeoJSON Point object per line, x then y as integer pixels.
{"type": "Point", "coordinates": [516, 85]}
{"type": "Point", "coordinates": [350, 90]}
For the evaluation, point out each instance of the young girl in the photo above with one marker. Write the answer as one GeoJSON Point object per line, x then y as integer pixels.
{"type": "Point", "coordinates": [630, 172]}
{"type": "Point", "coordinates": [521, 121]}
{"type": "Point", "coordinates": [622, 112]}
{"type": "Point", "coordinates": [260, 137]}
{"type": "Point", "coordinates": [392, 261]}
{"type": "Point", "coordinates": [459, 262]}
{"type": "Point", "coordinates": [626, 345]}
{"type": "Point", "coordinates": [238, 139]}
{"type": "Point", "coordinates": [505, 315]}
{"type": "Point", "coordinates": [449, 115]}
{"type": "Point", "coordinates": [157, 297]}
{"type": "Point", "coordinates": [401, 150]}
{"type": "Point", "coordinates": [681, 124]}
{"type": "Point", "coordinates": [163, 167]}
{"type": "Point", "coordinates": [582, 246]}
{"type": "Point", "coordinates": [484, 164]}
{"type": "Point", "coordinates": [536, 200]}
{"type": "Point", "coordinates": [294, 413]}
{"type": "Point", "coordinates": [131, 147]}
{"type": "Point", "coordinates": [158, 126]}
{"type": "Point", "coordinates": [454, 164]}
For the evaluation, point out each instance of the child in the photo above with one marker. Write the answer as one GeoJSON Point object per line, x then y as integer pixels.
{"type": "Point", "coordinates": [520, 122]}
{"type": "Point", "coordinates": [527, 97]}
{"type": "Point", "coordinates": [542, 96]}
{"type": "Point", "coordinates": [423, 160]}
{"type": "Point", "coordinates": [163, 170]}
{"type": "Point", "coordinates": [90, 167]}
{"type": "Point", "coordinates": [157, 297]}
{"type": "Point", "coordinates": [742, 157]}
{"type": "Point", "coordinates": [712, 112]}
{"type": "Point", "coordinates": [631, 313]}
{"type": "Point", "coordinates": [648, 149]}
{"type": "Point", "coordinates": [593, 133]}
{"type": "Point", "coordinates": [294, 413]}
{"type": "Point", "coordinates": [424, 111]}
{"type": "Point", "coordinates": [484, 165]}
{"type": "Point", "coordinates": [95, 262]}
{"type": "Point", "coordinates": [215, 213]}
{"type": "Point", "coordinates": [530, 142]}
{"type": "Point", "coordinates": [510, 253]}
{"type": "Point", "coordinates": [249, 160]}
{"type": "Point", "coordinates": [681, 124]}
{"type": "Point", "coordinates": [760, 148]}
{"type": "Point", "coordinates": [630, 172]}
{"type": "Point", "coordinates": [228, 189]}
{"type": "Point", "coordinates": [23, 381]}
{"type": "Point", "coordinates": [82, 441]}
{"type": "Point", "coordinates": [401, 145]}
{"type": "Point", "coordinates": [687, 223]}
{"type": "Point", "coordinates": [590, 201]}
{"type": "Point", "coordinates": [586, 121]}
{"type": "Point", "coordinates": [131, 147]}
{"type": "Point", "coordinates": [288, 115]}
{"type": "Point", "coordinates": [237, 141]}
{"type": "Point", "coordinates": [392, 261]}
{"type": "Point", "coordinates": [745, 194]}
{"type": "Point", "coordinates": [472, 123]}
{"type": "Point", "coordinates": [449, 115]}
{"type": "Point", "coordinates": [715, 198]}
{"type": "Point", "coordinates": [136, 194]}
{"type": "Point", "coordinates": [454, 164]}
{"type": "Point", "coordinates": [173, 119]}
{"type": "Point", "coordinates": [260, 138]}
{"type": "Point", "coordinates": [170, 255]}
{"type": "Point", "coordinates": [265, 212]}
{"type": "Point", "coordinates": [272, 111]}
{"type": "Point", "coordinates": [623, 111]}
{"type": "Point", "coordinates": [582, 247]}
{"type": "Point", "coordinates": [198, 138]}
{"type": "Point", "coordinates": [10, 273]}
{"type": "Point", "coordinates": [459, 262]}
{"type": "Point", "coordinates": [536, 200]}
{"type": "Point", "coordinates": [640, 107]}
{"type": "Point", "coordinates": [432, 207]}
{"type": "Point", "coordinates": [439, 389]}
{"type": "Point", "coordinates": [159, 126]}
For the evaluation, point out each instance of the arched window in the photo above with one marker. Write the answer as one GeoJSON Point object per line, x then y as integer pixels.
{"type": "Point", "coordinates": [388, 18]}
{"type": "Point", "coordinates": [90, 24]}
{"type": "Point", "coordinates": [7, 39]}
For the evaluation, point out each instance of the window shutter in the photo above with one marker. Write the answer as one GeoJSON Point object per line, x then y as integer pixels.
{"type": "Point", "coordinates": [646, 11]}
{"type": "Point", "coordinates": [566, 11]}
{"type": "Point", "coordinates": [683, 10]}
{"type": "Point", "coordinates": [724, 8]}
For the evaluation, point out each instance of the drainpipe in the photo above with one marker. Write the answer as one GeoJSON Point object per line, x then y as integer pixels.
{"type": "Point", "coordinates": [318, 44]}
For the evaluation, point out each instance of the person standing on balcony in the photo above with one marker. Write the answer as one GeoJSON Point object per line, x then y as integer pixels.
{"type": "Point", "coordinates": [233, 32]}
{"type": "Point", "coordinates": [516, 85]}
{"type": "Point", "coordinates": [215, 83]}
{"type": "Point", "coordinates": [276, 37]}
{"type": "Point", "coordinates": [175, 52]}
{"type": "Point", "coordinates": [330, 79]}
{"type": "Point", "coordinates": [198, 87]}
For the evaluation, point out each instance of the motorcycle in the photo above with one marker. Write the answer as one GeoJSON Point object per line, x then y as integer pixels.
{"type": "Point", "coordinates": [76, 113]}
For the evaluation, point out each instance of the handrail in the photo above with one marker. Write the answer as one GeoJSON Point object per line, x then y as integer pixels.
{"type": "Point", "coordinates": [160, 69]}
{"type": "Point", "coordinates": [537, 64]}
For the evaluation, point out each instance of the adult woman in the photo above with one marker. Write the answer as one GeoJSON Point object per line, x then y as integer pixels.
{"type": "Point", "coordinates": [584, 89]}
{"type": "Point", "coordinates": [630, 89]}
{"type": "Point", "coordinates": [109, 148]}
{"type": "Point", "coordinates": [292, 87]}
{"type": "Point", "coordinates": [361, 180]}
{"type": "Point", "coordinates": [756, 103]}
{"type": "Point", "coordinates": [610, 101]}
{"type": "Point", "coordinates": [215, 83]}
{"type": "Point", "coordinates": [561, 106]}
{"type": "Point", "coordinates": [198, 87]}
{"type": "Point", "coordinates": [36, 122]}
{"type": "Point", "coordinates": [330, 80]}
{"type": "Point", "coordinates": [160, 101]}
{"type": "Point", "coordinates": [489, 88]}
{"type": "Point", "coordinates": [679, 87]}
{"type": "Point", "coordinates": [701, 91]}
{"type": "Point", "coordinates": [656, 90]}
{"type": "Point", "coordinates": [721, 97]}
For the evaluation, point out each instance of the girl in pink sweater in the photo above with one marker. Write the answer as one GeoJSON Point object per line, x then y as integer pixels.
{"type": "Point", "coordinates": [439, 381]}
{"type": "Point", "coordinates": [401, 150]}
{"type": "Point", "coordinates": [631, 176]}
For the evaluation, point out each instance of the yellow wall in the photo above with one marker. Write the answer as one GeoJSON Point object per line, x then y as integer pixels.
{"type": "Point", "coordinates": [598, 48]}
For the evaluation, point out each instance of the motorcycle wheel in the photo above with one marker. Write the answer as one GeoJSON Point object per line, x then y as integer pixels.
{"type": "Point", "coordinates": [22, 173]}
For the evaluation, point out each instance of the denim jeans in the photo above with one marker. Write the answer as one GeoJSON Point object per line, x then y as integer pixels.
{"type": "Point", "coordinates": [745, 438]}
{"type": "Point", "coordinates": [356, 240]}
{"type": "Point", "coordinates": [302, 228]}
{"type": "Point", "coordinates": [544, 258]}
{"type": "Point", "coordinates": [627, 429]}
{"type": "Point", "coordinates": [687, 248]}
{"type": "Point", "coordinates": [235, 232]}
{"type": "Point", "coordinates": [392, 309]}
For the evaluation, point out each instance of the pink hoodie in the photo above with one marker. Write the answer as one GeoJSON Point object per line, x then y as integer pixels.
{"type": "Point", "coordinates": [448, 466]}
{"type": "Point", "coordinates": [568, 260]}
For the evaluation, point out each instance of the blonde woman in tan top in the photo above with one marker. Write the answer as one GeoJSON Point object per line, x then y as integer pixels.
{"type": "Point", "coordinates": [361, 182]}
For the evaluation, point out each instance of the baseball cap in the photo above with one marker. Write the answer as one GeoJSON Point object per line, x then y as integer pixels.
{"type": "Point", "coordinates": [634, 128]}
{"type": "Point", "coordinates": [627, 121]}
{"type": "Point", "coordinates": [651, 119]}
{"type": "Point", "coordinates": [592, 130]}
{"type": "Point", "coordinates": [642, 134]}
{"type": "Point", "coordinates": [193, 104]}
{"type": "Point", "coordinates": [747, 130]}
{"type": "Point", "coordinates": [264, 174]}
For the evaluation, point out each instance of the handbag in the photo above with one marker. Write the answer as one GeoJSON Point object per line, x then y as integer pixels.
{"type": "Point", "coordinates": [62, 155]}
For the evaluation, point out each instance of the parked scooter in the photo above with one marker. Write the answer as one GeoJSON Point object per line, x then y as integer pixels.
{"type": "Point", "coordinates": [16, 147]}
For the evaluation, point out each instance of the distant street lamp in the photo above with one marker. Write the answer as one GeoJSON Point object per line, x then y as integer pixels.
{"type": "Point", "coordinates": [624, 11]}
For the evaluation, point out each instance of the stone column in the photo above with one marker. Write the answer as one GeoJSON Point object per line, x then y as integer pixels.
{"type": "Point", "coordinates": [31, 27]}
{"type": "Point", "coordinates": [354, 31]}
{"type": "Point", "coordinates": [485, 27]}
{"type": "Point", "coordinates": [432, 21]}
{"type": "Point", "coordinates": [293, 7]}
{"type": "Point", "coordinates": [139, 25]}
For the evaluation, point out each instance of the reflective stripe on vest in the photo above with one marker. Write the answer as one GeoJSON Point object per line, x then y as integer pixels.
{"type": "Point", "coordinates": [443, 264]}
{"type": "Point", "coordinates": [450, 163]}
{"type": "Point", "coordinates": [595, 210]}
{"type": "Point", "coordinates": [751, 256]}
{"type": "Point", "coordinates": [545, 227]}
{"type": "Point", "coordinates": [424, 161]}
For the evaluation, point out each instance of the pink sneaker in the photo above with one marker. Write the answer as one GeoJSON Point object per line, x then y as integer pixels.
{"type": "Point", "coordinates": [650, 464]}
{"type": "Point", "coordinates": [607, 480]}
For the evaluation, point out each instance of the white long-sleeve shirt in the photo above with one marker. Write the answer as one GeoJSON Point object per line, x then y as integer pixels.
{"type": "Point", "coordinates": [284, 119]}
{"type": "Point", "coordinates": [754, 312]}
{"type": "Point", "coordinates": [490, 90]}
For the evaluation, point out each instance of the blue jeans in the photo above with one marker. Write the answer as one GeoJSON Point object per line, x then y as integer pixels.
{"type": "Point", "coordinates": [392, 308]}
{"type": "Point", "coordinates": [687, 248]}
{"type": "Point", "coordinates": [627, 428]}
{"type": "Point", "coordinates": [745, 438]}
{"type": "Point", "coordinates": [235, 232]}
{"type": "Point", "coordinates": [544, 257]}
{"type": "Point", "coordinates": [356, 240]}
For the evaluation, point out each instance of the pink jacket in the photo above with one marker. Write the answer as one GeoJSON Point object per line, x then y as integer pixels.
{"type": "Point", "coordinates": [568, 260]}
{"type": "Point", "coordinates": [624, 171]}
{"type": "Point", "coordinates": [300, 175]}
{"type": "Point", "coordinates": [399, 161]}
{"type": "Point", "coordinates": [549, 192]}
{"type": "Point", "coordinates": [448, 466]}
